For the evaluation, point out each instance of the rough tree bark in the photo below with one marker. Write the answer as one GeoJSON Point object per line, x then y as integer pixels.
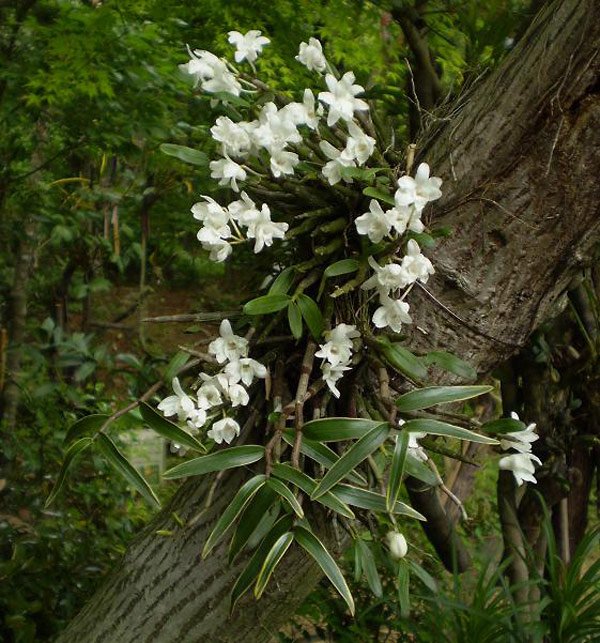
{"type": "Point", "coordinates": [520, 156]}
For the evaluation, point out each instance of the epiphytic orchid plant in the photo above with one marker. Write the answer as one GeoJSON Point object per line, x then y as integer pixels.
{"type": "Point", "coordinates": [317, 182]}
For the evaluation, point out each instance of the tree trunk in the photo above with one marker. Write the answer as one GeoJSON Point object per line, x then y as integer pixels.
{"type": "Point", "coordinates": [520, 157]}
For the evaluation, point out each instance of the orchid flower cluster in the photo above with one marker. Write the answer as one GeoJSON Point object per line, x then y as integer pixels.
{"type": "Point", "coordinates": [275, 141]}
{"type": "Point", "coordinates": [227, 386]}
{"type": "Point", "coordinates": [522, 462]}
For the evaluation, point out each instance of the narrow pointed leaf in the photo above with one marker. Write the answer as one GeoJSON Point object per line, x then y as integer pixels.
{"type": "Point", "coordinates": [253, 514]}
{"type": "Point", "coordinates": [424, 398]}
{"type": "Point", "coordinates": [322, 454]}
{"type": "Point", "coordinates": [169, 430]}
{"type": "Point", "coordinates": [360, 450]}
{"type": "Point", "coordinates": [403, 588]}
{"type": "Point", "coordinates": [373, 501]}
{"type": "Point", "coordinates": [295, 320]}
{"type": "Point", "coordinates": [402, 360]}
{"type": "Point", "coordinates": [380, 195]}
{"type": "Point", "coordinates": [307, 484]}
{"type": "Point", "coordinates": [311, 314]}
{"type": "Point", "coordinates": [177, 362]}
{"type": "Point", "coordinates": [71, 453]}
{"type": "Point", "coordinates": [503, 425]}
{"type": "Point", "coordinates": [335, 429]}
{"type": "Point", "coordinates": [419, 470]}
{"type": "Point", "coordinates": [397, 469]}
{"type": "Point", "coordinates": [185, 154]}
{"type": "Point", "coordinates": [266, 304]}
{"type": "Point", "coordinates": [283, 282]}
{"type": "Point", "coordinates": [342, 267]}
{"type": "Point", "coordinates": [424, 576]}
{"type": "Point", "coordinates": [370, 568]}
{"type": "Point", "coordinates": [225, 459]}
{"type": "Point", "coordinates": [126, 469]}
{"type": "Point", "coordinates": [233, 511]}
{"type": "Point", "coordinates": [317, 550]}
{"type": "Point", "coordinates": [88, 425]}
{"type": "Point", "coordinates": [252, 569]}
{"type": "Point", "coordinates": [451, 363]}
{"type": "Point", "coordinates": [284, 491]}
{"type": "Point", "coordinates": [276, 553]}
{"type": "Point", "coordinates": [435, 427]}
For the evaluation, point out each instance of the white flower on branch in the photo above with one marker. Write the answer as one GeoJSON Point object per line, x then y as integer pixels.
{"type": "Point", "coordinates": [209, 396]}
{"type": "Point", "coordinates": [196, 420]}
{"type": "Point", "coordinates": [233, 137]}
{"type": "Point", "coordinates": [332, 374]}
{"type": "Point", "coordinates": [341, 98]}
{"type": "Point", "coordinates": [212, 215]}
{"type": "Point", "coordinates": [248, 45]}
{"type": "Point", "coordinates": [376, 223]}
{"type": "Point", "coordinates": [228, 347]}
{"type": "Point", "coordinates": [244, 210]}
{"type": "Point", "coordinates": [263, 230]}
{"type": "Point", "coordinates": [202, 64]}
{"type": "Point", "coordinates": [275, 129]}
{"type": "Point", "coordinates": [245, 370]}
{"type": "Point", "coordinates": [397, 544]}
{"type": "Point", "coordinates": [218, 248]}
{"type": "Point", "coordinates": [521, 465]}
{"type": "Point", "coordinates": [359, 145]}
{"type": "Point", "coordinates": [311, 55]}
{"type": "Point", "coordinates": [519, 440]}
{"type": "Point", "coordinates": [332, 170]}
{"type": "Point", "coordinates": [179, 404]}
{"type": "Point", "coordinates": [225, 430]}
{"type": "Point", "coordinates": [238, 395]}
{"type": "Point", "coordinates": [338, 348]}
{"type": "Point", "coordinates": [414, 448]}
{"type": "Point", "coordinates": [405, 217]}
{"type": "Point", "coordinates": [283, 162]}
{"type": "Point", "coordinates": [387, 278]}
{"type": "Point", "coordinates": [415, 265]}
{"type": "Point", "coordinates": [228, 172]}
{"type": "Point", "coordinates": [420, 190]}
{"type": "Point", "coordinates": [392, 313]}
{"type": "Point", "coordinates": [304, 113]}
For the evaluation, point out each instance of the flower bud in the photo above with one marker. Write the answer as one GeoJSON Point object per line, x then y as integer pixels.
{"type": "Point", "coordinates": [397, 544]}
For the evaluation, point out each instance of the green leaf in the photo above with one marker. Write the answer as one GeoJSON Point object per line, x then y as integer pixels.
{"type": "Point", "coordinates": [230, 98]}
{"type": "Point", "coordinates": [423, 398]}
{"type": "Point", "coordinates": [295, 319]}
{"type": "Point", "coordinates": [177, 362]}
{"type": "Point", "coordinates": [276, 553]}
{"type": "Point", "coordinates": [342, 267]}
{"type": "Point", "coordinates": [425, 577]}
{"type": "Point", "coordinates": [403, 588]}
{"type": "Point", "coordinates": [451, 364]}
{"type": "Point", "coordinates": [401, 359]}
{"type": "Point", "coordinates": [311, 314]}
{"type": "Point", "coordinates": [244, 495]}
{"type": "Point", "coordinates": [266, 304]}
{"type": "Point", "coordinates": [321, 453]}
{"type": "Point", "coordinates": [423, 239]}
{"type": "Point", "coordinates": [337, 428]}
{"type": "Point", "coordinates": [71, 453]}
{"type": "Point", "coordinates": [225, 459]}
{"type": "Point", "coordinates": [168, 429]}
{"type": "Point", "coordinates": [307, 484]}
{"type": "Point", "coordinates": [253, 514]}
{"type": "Point", "coordinates": [185, 154]}
{"type": "Point", "coordinates": [435, 427]}
{"type": "Point", "coordinates": [283, 282]}
{"type": "Point", "coordinates": [419, 470]}
{"type": "Point", "coordinates": [252, 569]}
{"type": "Point", "coordinates": [283, 491]}
{"type": "Point", "coordinates": [503, 425]}
{"type": "Point", "coordinates": [367, 562]}
{"type": "Point", "coordinates": [358, 452]}
{"type": "Point", "coordinates": [376, 193]}
{"type": "Point", "coordinates": [373, 501]}
{"type": "Point", "coordinates": [126, 469]}
{"type": "Point", "coordinates": [397, 469]}
{"type": "Point", "coordinates": [85, 426]}
{"type": "Point", "coordinates": [317, 550]}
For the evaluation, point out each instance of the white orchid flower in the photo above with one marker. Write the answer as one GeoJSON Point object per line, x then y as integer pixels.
{"type": "Point", "coordinates": [392, 313]}
{"type": "Point", "coordinates": [263, 230]}
{"type": "Point", "coordinates": [248, 45]}
{"type": "Point", "coordinates": [228, 347]}
{"type": "Point", "coordinates": [179, 404]}
{"type": "Point", "coordinates": [225, 430]}
{"type": "Point", "coordinates": [375, 223]}
{"type": "Point", "coordinates": [311, 55]}
{"type": "Point", "coordinates": [341, 98]}
{"type": "Point", "coordinates": [340, 159]}
{"type": "Point", "coordinates": [359, 146]}
{"type": "Point", "coordinates": [233, 137]}
{"type": "Point", "coordinates": [283, 162]}
{"type": "Point", "coordinates": [420, 190]}
{"type": "Point", "coordinates": [387, 278]}
{"type": "Point", "coordinates": [245, 370]}
{"type": "Point", "coordinates": [228, 172]}
{"type": "Point", "coordinates": [415, 265]}
{"type": "Point", "coordinates": [521, 465]}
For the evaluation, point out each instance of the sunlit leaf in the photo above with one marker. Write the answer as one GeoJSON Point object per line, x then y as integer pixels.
{"type": "Point", "coordinates": [285, 493]}
{"type": "Point", "coordinates": [424, 398]}
{"type": "Point", "coordinates": [276, 553]}
{"type": "Point", "coordinates": [225, 459]}
{"type": "Point", "coordinates": [337, 428]}
{"type": "Point", "coordinates": [185, 154]}
{"type": "Point", "coordinates": [266, 304]}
